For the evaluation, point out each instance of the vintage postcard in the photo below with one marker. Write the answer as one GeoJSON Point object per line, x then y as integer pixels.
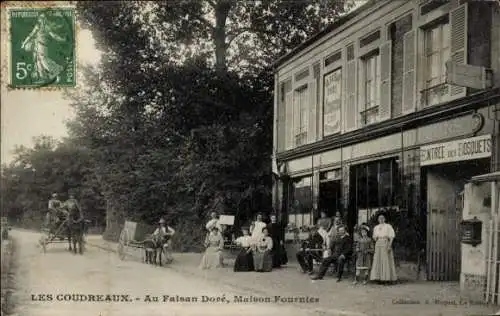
{"type": "Point", "coordinates": [223, 157]}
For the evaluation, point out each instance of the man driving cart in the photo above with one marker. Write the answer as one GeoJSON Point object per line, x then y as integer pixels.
{"type": "Point", "coordinates": [56, 213]}
{"type": "Point", "coordinates": [162, 235]}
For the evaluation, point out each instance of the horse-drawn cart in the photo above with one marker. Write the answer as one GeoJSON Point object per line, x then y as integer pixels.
{"type": "Point", "coordinates": [134, 235]}
{"type": "Point", "coordinates": [59, 233]}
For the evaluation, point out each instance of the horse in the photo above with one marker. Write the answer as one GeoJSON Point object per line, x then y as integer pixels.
{"type": "Point", "coordinates": [75, 225]}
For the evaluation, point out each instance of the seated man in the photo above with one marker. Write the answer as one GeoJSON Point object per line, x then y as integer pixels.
{"type": "Point", "coordinates": [53, 208]}
{"type": "Point", "coordinates": [340, 252]}
{"type": "Point", "coordinates": [311, 249]}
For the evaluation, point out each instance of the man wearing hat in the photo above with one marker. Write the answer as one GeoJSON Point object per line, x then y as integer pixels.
{"type": "Point", "coordinates": [163, 230]}
{"type": "Point", "coordinates": [341, 250]}
{"type": "Point", "coordinates": [311, 249]}
{"type": "Point", "coordinates": [54, 206]}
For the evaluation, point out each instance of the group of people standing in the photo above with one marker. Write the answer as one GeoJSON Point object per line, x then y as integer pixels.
{"type": "Point", "coordinates": [330, 244]}
{"type": "Point", "coordinates": [261, 246]}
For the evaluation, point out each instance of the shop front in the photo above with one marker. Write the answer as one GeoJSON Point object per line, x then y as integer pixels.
{"type": "Point", "coordinates": [445, 168]}
{"type": "Point", "coordinates": [417, 173]}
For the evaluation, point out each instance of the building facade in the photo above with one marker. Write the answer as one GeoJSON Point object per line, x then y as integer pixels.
{"type": "Point", "coordinates": [365, 118]}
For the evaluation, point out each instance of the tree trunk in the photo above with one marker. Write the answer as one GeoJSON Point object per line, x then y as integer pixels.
{"type": "Point", "coordinates": [114, 220]}
{"type": "Point", "coordinates": [221, 12]}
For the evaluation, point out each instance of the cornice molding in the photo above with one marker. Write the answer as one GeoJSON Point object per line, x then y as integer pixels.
{"type": "Point", "coordinates": [420, 118]}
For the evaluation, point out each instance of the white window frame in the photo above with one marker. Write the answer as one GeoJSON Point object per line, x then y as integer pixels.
{"type": "Point", "coordinates": [370, 103]}
{"type": "Point", "coordinates": [435, 90]}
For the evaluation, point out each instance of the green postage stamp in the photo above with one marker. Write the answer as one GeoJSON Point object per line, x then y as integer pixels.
{"type": "Point", "coordinates": [42, 47]}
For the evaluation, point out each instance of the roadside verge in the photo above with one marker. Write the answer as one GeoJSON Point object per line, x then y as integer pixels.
{"type": "Point", "coordinates": [8, 275]}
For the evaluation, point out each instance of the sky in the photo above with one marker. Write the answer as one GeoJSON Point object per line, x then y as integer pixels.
{"type": "Point", "coordinates": [29, 113]}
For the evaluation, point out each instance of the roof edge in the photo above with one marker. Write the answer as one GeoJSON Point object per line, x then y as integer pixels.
{"type": "Point", "coordinates": [331, 27]}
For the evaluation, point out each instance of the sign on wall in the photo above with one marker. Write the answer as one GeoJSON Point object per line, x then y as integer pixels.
{"type": "Point", "coordinates": [458, 150]}
{"type": "Point", "coordinates": [332, 102]}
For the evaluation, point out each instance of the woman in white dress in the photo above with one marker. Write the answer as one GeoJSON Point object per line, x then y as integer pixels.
{"type": "Point", "coordinates": [213, 255]}
{"type": "Point", "coordinates": [213, 222]}
{"type": "Point", "coordinates": [257, 228]}
{"type": "Point", "coordinates": [383, 267]}
{"type": "Point", "coordinates": [262, 259]}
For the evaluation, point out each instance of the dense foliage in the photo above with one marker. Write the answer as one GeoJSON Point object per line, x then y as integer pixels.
{"type": "Point", "coordinates": [177, 117]}
{"type": "Point", "coordinates": [48, 167]}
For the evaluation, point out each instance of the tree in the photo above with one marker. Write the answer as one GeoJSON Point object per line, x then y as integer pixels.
{"type": "Point", "coordinates": [48, 167]}
{"type": "Point", "coordinates": [178, 115]}
{"type": "Point", "coordinates": [238, 34]}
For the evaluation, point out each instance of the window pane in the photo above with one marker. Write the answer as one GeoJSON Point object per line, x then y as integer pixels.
{"type": "Point", "coordinates": [373, 185]}
{"type": "Point", "coordinates": [361, 187]}
{"type": "Point", "coordinates": [385, 184]}
{"type": "Point", "coordinates": [368, 72]}
{"type": "Point", "coordinates": [301, 196]}
{"type": "Point", "coordinates": [446, 35]}
{"type": "Point", "coordinates": [373, 93]}
{"type": "Point", "coordinates": [435, 70]}
{"type": "Point", "coordinates": [435, 39]}
{"type": "Point", "coordinates": [445, 57]}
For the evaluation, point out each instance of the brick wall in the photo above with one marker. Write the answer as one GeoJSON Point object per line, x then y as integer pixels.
{"type": "Point", "coordinates": [398, 29]}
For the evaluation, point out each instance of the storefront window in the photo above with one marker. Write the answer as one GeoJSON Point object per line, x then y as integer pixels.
{"type": "Point", "coordinates": [376, 184]}
{"type": "Point", "coordinates": [385, 182]}
{"type": "Point", "coordinates": [372, 185]}
{"type": "Point", "coordinates": [300, 202]}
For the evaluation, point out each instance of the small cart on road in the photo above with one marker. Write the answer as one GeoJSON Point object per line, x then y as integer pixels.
{"type": "Point", "coordinates": [133, 236]}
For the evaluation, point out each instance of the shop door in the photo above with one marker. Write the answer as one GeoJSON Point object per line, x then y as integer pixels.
{"type": "Point", "coordinates": [444, 212]}
{"type": "Point", "coordinates": [330, 197]}
{"type": "Point", "coordinates": [493, 253]}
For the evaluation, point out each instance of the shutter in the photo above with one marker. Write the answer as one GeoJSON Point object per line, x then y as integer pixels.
{"type": "Point", "coordinates": [313, 113]}
{"type": "Point", "coordinates": [409, 71]}
{"type": "Point", "coordinates": [350, 111]}
{"type": "Point", "coordinates": [289, 120]}
{"type": "Point", "coordinates": [384, 110]}
{"type": "Point", "coordinates": [296, 117]}
{"type": "Point", "coordinates": [281, 120]}
{"type": "Point", "coordinates": [458, 50]}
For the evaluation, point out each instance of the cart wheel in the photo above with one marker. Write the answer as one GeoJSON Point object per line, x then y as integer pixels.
{"type": "Point", "coordinates": [166, 256]}
{"type": "Point", "coordinates": [122, 243]}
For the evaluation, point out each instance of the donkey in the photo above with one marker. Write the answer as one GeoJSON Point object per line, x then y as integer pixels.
{"type": "Point", "coordinates": [154, 246]}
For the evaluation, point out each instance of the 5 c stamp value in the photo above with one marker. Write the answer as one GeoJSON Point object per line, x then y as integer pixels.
{"type": "Point", "coordinates": [42, 47]}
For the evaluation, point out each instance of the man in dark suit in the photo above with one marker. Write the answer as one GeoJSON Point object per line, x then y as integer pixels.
{"type": "Point", "coordinates": [277, 232]}
{"type": "Point", "coordinates": [341, 250]}
{"type": "Point", "coordinates": [311, 249]}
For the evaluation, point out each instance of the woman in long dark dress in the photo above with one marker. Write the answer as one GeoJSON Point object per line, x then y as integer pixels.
{"type": "Point", "coordinates": [262, 259]}
{"type": "Point", "coordinates": [244, 260]}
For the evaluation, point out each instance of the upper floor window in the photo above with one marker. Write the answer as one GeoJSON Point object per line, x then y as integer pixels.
{"type": "Point", "coordinates": [301, 114]}
{"type": "Point", "coordinates": [370, 88]}
{"type": "Point", "coordinates": [437, 52]}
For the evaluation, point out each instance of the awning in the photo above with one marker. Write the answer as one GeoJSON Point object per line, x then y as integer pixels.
{"type": "Point", "coordinates": [488, 177]}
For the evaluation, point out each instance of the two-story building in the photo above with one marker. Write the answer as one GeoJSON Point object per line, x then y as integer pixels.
{"type": "Point", "coordinates": [372, 113]}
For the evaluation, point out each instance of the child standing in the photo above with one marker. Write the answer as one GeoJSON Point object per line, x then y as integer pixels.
{"type": "Point", "coordinates": [364, 251]}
